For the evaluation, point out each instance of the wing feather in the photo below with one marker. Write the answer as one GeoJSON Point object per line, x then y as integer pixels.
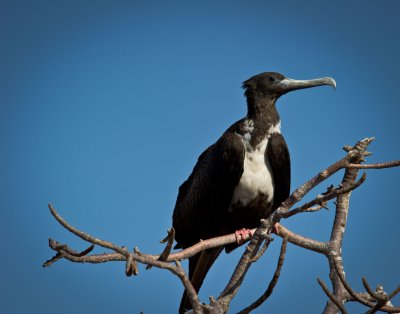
{"type": "Point", "coordinates": [204, 198]}
{"type": "Point", "coordinates": [201, 209]}
{"type": "Point", "coordinates": [279, 159]}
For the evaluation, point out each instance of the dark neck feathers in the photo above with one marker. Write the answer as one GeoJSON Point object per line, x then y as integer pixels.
{"type": "Point", "coordinates": [261, 107]}
{"type": "Point", "coordinates": [262, 112]}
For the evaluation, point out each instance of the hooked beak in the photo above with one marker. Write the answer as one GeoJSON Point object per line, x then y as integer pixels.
{"type": "Point", "coordinates": [289, 85]}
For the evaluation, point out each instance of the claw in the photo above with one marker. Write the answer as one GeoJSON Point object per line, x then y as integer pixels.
{"type": "Point", "coordinates": [242, 235]}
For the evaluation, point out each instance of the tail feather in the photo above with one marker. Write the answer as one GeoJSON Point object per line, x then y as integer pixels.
{"type": "Point", "coordinates": [199, 265]}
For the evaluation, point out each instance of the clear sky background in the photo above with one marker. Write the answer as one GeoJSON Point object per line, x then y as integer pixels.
{"type": "Point", "coordinates": [106, 105]}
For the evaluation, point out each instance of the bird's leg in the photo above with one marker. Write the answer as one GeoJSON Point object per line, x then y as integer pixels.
{"type": "Point", "coordinates": [242, 235]}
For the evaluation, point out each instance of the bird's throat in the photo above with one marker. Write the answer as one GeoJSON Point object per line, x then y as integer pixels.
{"type": "Point", "coordinates": [262, 110]}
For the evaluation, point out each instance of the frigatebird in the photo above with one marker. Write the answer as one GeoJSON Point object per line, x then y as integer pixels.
{"type": "Point", "coordinates": [241, 178]}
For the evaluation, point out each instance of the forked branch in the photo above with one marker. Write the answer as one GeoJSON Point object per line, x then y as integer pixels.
{"type": "Point", "coordinates": [342, 292]}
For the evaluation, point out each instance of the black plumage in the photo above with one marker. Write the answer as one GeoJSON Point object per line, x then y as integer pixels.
{"type": "Point", "coordinates": [241, 178]}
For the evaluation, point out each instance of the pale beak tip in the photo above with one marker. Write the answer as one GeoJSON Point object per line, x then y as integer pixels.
{"type": "Point", "coordinates": [330, 81]}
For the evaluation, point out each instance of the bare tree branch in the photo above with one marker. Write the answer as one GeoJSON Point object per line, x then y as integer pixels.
{"type": "Point", "coordinates": [321, 199]}
{"type": "Point", "coordinates": [136, 256]}
{"type": "Point", "coordinates": [59, 256]}
{"type": "Point", "coordinates": [86, 236]}
{"type": "Point", "coordinates": [299, 193]}
{"type": "Point", "coordinates": [190, 291]}
{"type": "Point", "coordinates": [261, 251]}
{"type": "Point", "coordinates": [339, 270]}
{"type": "Point", "coordinates": [389, 164]}
{"type": "Point", "coordinates": [340, 220]}
{"type": "Point", "coordinates": [342, 292]}
{"type": "Point", "coordinates": [272, 283]}
{"type": "Point", "coordinates": [331, 296]}
{"type": "Point", "coordinates": [377, 296]}
{"type": "Point", "coordinates": [393, 293]}
{"type": "Point", "coordinates": [304, 242]}
{"type": "Point", "coordinates": [123, 252]}
{"type": "Point", "coordinates": [230, 291]}
{"type": "Point", "coordinates": [355, 153]}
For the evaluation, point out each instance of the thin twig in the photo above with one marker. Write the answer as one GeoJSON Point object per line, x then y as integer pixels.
{"type": "Point", "coordinates": [190, 291]}
{"type": "Point", "coordinates": [355, 152]}
{"type": "Point", "coordinates": [59, 256]}
{"type": "Point", "coordinates": [393, 293]}
{"type": "Point", "coordinates": [324, 198]}
{"type": "Point", "coordinates": [272, 283]}
{"type": "Point", "coordinates": [377, 296]}
{"type": "Point", "coordinates": [299, 193]}
{"type": "Point", "coordinates": [339, 305]}
{"type": "Point", "coordinates": [380, 296]}
{"type": "Point", "coordinates": [304, 242]}
{"type": "Point", "coordinates": [381, 165]}
{"type": "Point", "coordinates": [86, 236]}
{"type": "Point", "coordinates": [244, 264]}
{"type": "Point", "coordinates": [177, 270]}
{"type": "Point", "coordinates": [261, 251]}
{"type": "Point", "coordinates": [361, 300]}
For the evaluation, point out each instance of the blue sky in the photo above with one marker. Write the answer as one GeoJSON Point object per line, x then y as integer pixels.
{"type": "Point", "coordinates": [105, 106]}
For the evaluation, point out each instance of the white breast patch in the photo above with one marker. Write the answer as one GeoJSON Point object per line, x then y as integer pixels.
{"type": "Point", "coordinates": [257, 175]}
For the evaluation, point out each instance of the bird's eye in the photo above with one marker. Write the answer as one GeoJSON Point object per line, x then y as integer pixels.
{"type": "Point", "coordinates": [272, 79]}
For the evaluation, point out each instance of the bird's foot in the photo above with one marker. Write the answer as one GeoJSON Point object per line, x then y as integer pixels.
{"type": "Point", "coordinates": [276, 227]}
{"type": "Point", "coordinates": [242, 235]}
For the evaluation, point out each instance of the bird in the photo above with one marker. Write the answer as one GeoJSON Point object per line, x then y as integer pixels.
{"type": "Point", "coordinates": [240, 179]}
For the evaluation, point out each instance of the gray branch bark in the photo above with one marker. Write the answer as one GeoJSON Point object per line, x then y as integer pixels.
{"type": "Point", "coordinates": [259, 242]}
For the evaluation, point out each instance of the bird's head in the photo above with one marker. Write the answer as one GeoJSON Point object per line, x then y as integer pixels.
{"type": "Point", "coordinates": [272, 85]}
